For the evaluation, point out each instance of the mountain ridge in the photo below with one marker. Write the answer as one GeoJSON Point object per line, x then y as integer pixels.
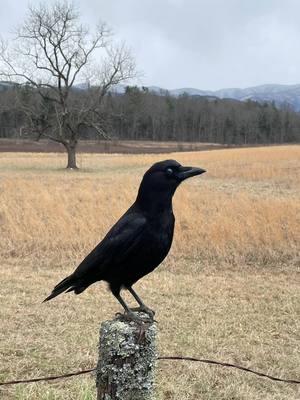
{"type": "Point", "coordinates": [280, 94]}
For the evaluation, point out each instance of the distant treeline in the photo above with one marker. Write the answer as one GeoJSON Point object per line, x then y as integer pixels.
{"type": "Point", "coordinates": [140, 114]}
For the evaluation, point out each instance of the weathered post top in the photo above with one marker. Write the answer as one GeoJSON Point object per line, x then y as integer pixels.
{"type": "Point", "coordinates": [127, 356]}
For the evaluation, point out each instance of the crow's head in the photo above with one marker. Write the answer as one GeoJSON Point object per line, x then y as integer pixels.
{"type": "Point", "coordinates": [164, 177]}
{"type": "Point", "coordinates": [170, 172]}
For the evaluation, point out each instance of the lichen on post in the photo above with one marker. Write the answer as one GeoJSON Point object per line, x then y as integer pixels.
{"type": "Point", "coordinates": [127, 357]}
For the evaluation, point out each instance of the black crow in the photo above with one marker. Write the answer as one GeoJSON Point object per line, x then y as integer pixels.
{"type": "Point", "coordinates": [138, 242]}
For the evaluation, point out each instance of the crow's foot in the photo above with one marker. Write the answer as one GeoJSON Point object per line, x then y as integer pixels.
{"type": "Point", "coordinates": [131, 316]}
{"type": "Point", "coordinates": [144, 309]}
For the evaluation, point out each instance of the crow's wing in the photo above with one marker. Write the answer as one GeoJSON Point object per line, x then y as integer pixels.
{"type": "Point", "coordinates": [121, 242]}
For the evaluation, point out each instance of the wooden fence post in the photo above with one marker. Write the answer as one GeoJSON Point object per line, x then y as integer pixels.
{"type": "Point", "coordinates": [127, 357]}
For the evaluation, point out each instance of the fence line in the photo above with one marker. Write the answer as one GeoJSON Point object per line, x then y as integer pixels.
{"type": "Point", "coordinates": [170, 358]}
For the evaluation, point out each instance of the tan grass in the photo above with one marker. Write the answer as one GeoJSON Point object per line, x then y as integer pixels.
{"type": "Point", "coordinates": [245, 209]}
{"type": "Point", "coordinates": [229, 289]}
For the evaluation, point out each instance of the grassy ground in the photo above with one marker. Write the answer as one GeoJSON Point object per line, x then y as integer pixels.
{"type": "Point", "coordinates": [229, 289]}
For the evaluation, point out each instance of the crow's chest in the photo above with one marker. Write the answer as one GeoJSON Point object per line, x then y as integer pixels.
{"type": "Point", "coordinates": [158, 239]}
{"type": "Point", "coordinates": [154, 246]}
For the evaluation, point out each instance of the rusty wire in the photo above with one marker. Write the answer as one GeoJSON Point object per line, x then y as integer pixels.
{"type": "Point", "coordinates": [170, 358]}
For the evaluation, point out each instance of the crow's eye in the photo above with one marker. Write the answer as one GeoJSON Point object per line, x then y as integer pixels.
{"type": "Point", "coordinates": [169, 171]}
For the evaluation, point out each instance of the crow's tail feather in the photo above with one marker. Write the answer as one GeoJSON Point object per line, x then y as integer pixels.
{"type": "Point", "coordinates": [68, 283]}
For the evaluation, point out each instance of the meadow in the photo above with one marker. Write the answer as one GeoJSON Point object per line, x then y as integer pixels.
{"type": "Point", "coordinates": [229, 289]}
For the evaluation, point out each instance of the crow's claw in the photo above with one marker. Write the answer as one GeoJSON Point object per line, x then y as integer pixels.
{"type": "Point", "coordinates": [146, 310]}
{"type": "Point", "coordinates": [131, 316]}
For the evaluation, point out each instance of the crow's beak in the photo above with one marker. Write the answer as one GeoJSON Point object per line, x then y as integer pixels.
{"type": "Point", "coordinates": [188, 172]}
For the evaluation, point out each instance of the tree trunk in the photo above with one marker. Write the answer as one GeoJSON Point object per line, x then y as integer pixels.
{"type": "Point", "coordinates": [71, 150]}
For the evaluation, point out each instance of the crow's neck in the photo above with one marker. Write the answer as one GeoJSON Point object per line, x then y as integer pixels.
{"type": "Point", "coordinates": [154, 203]}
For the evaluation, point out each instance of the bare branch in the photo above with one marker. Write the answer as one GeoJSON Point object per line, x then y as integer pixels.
{"type": "Point", "coordinates": [52, 52]}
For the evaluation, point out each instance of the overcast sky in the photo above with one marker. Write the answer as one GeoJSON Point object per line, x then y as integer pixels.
{"type": "Point", "coordinates": [205, 44]}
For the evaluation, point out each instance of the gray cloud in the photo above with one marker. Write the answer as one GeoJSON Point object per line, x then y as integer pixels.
{"type": "Point", "coordinates": [208, 44]}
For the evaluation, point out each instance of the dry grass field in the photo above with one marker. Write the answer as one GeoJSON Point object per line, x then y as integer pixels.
{"type": "Point", "coordinates": [229, 290]}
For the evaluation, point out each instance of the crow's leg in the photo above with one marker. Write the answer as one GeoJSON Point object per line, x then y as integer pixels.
{"type": "Point", "coordinates": [129, 314]}
{"type": "Point", "coordinates": [142, 306]}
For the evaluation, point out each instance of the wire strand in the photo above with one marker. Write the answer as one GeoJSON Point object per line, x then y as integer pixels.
{"type": "Point", "coordinates": [170, 358]}
{"type": "Point", "coordinates": [48, 378]}
{"type": "Point", "coordinates": [225, 364]}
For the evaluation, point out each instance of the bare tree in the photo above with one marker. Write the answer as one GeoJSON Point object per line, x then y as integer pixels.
{"type": "Point", "coordinates": [51, 53]}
